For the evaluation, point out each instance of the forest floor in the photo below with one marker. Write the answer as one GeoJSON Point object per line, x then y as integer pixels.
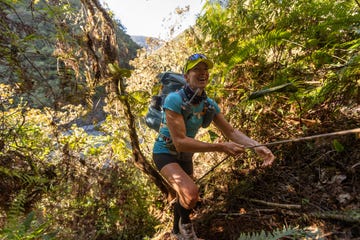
{"type": "Point", "coordinates": [313, 186]}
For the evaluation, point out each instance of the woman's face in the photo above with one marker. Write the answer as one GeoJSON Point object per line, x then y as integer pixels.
{"type": "Point", "coordinates": [198, 77]}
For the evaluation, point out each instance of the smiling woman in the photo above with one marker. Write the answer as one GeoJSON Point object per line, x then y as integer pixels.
{"type": "Point", "coordinates": [176, 143]}
{"type": "Point", "coordinates": [155, 18]}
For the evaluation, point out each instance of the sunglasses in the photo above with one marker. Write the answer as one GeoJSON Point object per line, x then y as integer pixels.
{"type": "Point", "coordinates": [197, 56]}
{"type": "Point", "coordinates": [191, 59]}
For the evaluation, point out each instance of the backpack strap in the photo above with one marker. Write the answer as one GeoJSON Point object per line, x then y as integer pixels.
{"type": "Point", "coordinates": [209, 114]}
{"type": "Point", "coordinates": [187, 112]}
{"type": "Point", "coordinates": [186, 109]}
{"type": "Point", "coordinates": [183, 95]}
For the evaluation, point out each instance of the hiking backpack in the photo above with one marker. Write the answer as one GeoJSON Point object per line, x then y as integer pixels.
{"type": "Point", "coordinates": [172, 82]}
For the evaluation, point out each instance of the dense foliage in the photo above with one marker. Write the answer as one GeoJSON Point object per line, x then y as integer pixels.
{"type": "Point", "coordinates": [59, 180]}
{"type": "Point", "coordinates": [283, 69]}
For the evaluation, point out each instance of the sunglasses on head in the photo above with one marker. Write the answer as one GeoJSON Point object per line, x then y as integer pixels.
{"type": "Point", "coordinates": [197, 56]}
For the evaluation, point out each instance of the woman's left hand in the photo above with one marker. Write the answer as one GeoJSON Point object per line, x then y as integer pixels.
{"type": "Point", "coordinates": [265, 154]}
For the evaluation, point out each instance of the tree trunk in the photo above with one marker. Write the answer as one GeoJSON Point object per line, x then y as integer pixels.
{"type": "Point", "coordinates": [102, 37]}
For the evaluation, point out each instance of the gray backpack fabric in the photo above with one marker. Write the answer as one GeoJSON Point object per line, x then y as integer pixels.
{"type": "Point", "coordinates": [173, 82]}
{"type": "Point", "coordinates": [170, 82]}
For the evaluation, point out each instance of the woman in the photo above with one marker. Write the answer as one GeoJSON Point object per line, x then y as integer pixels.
{"type": "Point", "coordinates": [174, 148]}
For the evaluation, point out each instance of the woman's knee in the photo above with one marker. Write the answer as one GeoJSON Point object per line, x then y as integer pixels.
{"type": "Point", "coordinates": [190, 197]}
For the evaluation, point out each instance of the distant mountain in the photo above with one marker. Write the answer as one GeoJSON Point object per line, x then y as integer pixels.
{"type": "Point", "coordinates": [140, 40]}
{"type": "Point", "coordinates": [149, 43]}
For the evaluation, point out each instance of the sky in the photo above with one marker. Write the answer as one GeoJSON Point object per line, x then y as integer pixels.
{"type": "Point", "coordinates": [154, 18]}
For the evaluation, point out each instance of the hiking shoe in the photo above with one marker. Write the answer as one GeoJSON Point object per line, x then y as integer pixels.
{"type": "Point", "coordinates": [175, 236]}
{"type": "Point", "coordinates": [187, 231]}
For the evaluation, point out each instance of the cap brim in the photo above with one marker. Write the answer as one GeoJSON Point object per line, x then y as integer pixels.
{"type": "Point", "coordinates": [192, 64]}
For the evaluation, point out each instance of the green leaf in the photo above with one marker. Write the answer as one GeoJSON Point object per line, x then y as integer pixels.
{"type": "Point", "coordinates": [338, 146]}
{"type": "Point", "coordinates": [117, 71]}
{"type": "Point", "coordinates": [213, 135]}
{"type": "Point", "coordinates": [140, 96]}
{"type": "Point", "coordinates": [287, 87]}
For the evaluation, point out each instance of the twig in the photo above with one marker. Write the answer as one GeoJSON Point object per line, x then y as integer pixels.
{"type": "Point", "coordinates": [319, 158]}
{"type": "Point", "coordinates": [321, 215]}
{"type": "Point", "coordinates": [358, 3]}
{"type": "Point", "coordinates": [355, 165]}
{"type": "Point", "coordinates": [256, 211]}
{"type": "Point", "coordinates": [326, 215]}
{"type": "Point", "coordinates": [272, 204]}
{"type": "Point", "coordinates": [212, 169]}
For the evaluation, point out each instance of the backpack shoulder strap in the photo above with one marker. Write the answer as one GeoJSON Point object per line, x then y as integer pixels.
{"type": "Point", "coordinates": [186, 109]}
{"type": "Point", "coordinates": [183, 95]}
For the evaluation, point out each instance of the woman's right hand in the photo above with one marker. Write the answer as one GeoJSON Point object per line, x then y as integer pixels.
{"type": "Point", "coordinates": [232, 148]}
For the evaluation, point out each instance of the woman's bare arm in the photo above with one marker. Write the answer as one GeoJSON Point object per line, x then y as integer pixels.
{"type": "Point", "coordinates": [182, 143]}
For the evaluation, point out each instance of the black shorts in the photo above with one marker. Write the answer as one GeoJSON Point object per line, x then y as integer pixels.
{"type": "Point", "coordinates": [183, 159]}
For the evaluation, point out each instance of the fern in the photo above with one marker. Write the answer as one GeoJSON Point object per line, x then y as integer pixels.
{"type": "Point", "coordinates": [17, 206]}
{"type": "Point", "coordinates": [24, 178]}
{"type": "Point", "coordinates": [289, 233]}
{"type": "Point", "coordinates": [29, 227]}
{"type": "Point", "coordinates": [257, 45]}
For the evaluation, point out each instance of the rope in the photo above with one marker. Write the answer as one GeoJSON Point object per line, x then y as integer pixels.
{"type": "Point", "coordinates": [338, 133]}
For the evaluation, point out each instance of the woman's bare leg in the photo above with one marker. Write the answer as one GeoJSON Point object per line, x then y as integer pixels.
{"type": "Point", "coordinates": [183, 184]}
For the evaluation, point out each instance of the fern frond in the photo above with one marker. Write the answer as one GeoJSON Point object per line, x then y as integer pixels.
{"type": "Point", "coordinates": [24, 178]}
{"type": "Point", "coordinates": [292, 232]}
{"type": "Point", "coordinates": [17, 206]}
{"type": "Point", "coordinates": [258, 44]}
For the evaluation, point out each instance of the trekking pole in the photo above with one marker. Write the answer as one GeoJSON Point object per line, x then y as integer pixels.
{"type": "Point", "coordinates": [339, 133]}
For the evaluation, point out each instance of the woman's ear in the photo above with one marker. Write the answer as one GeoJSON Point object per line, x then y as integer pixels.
{"type": "Point", "coordinates": [186, 76]}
